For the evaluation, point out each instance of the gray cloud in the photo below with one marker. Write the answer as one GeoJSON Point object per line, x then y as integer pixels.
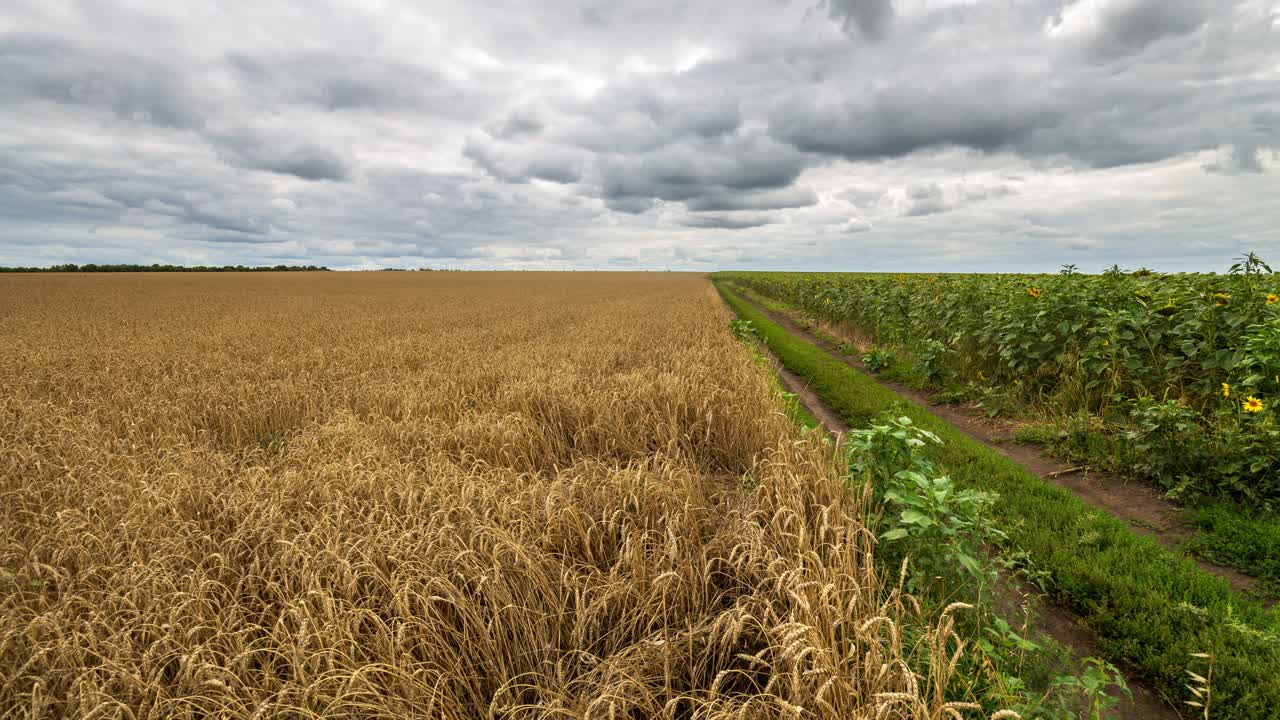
{"type": "Point", "coordinates": [641, 116]}
{"type": "Point", "coordinates": [856, 225]}
{"type": "Point", "coordinates": [862, 197]}
{"type": "Point", "coordinates": [925, 199]}
{"type": "Point", "coordinates": [870, 17]}
{"type": "Point", "coordinates": [1050, 103]}
{"type": "Point", "coordinates": [54, 194]}
{"type": "Point", "coordinates": [522, 121]}
{"type": "Point", "coordinates": [1114, 28]}
{"type": "Point", "coordinates": [281, 154]}
{"type": "Point", "coordinates": [630, 205]}
{"type": "Point", "coordinates": [658, 134]}
{"type": "Point", "coordinates": [638, 143]}
{"type": "Point", "coordinates": [971, 193]}
{"type": "Point", "coordinates": [931, 198]}
{"type": "Point", "coordinates": [901, 119]}
{"type": "Point", "coordinates": [521, 164]}
{"type": "Point", "coordinates": [694, 170]}
{"type": "Point", "coordinates": [41, 67]}
{"type": "Point", "coordinates": [351, 82]}
{"type": "Point", "coordinates": [723, 221]}
{"type": "Point", "coordinates": [791, 197]}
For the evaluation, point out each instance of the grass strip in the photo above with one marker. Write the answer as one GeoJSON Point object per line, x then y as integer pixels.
{"type": "Point", "coordinates": [1232, 536]}
{"type": "Point", "coordinates": [1150, 608]}
{"type": "Point", "coordinates": [795, 411]}
{"type": "Point", "coordinates": [1227, 532]}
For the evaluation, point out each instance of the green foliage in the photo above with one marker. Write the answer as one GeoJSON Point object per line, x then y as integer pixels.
{"type": "Point", "coordinates": [1261, 363]}
{"type": "Point", "coordinates": [879, 453]}
{"type": "Point", "coordinates": [943, 533]}
{"type": "Point", "coordinates": [1094, 685]}
{"type": "Point", "coordinates": [798, 414]}
{"type": "Point", "coordinates": [1169, 441]}
{"type": "Point", "coordinates": [926, 517]}
{"type": "Point", "coordinates": [743, 330]}
{"type": "Point", "coordinates": [995, 401]}
{"type": "Point", "coordinates": [1083, 438]}
{"type": "Point", "coordinates": [1249, 541]}
{"type": "Point", "coordinates": [1237, 458]}
{"type": "Point", "coordinates": [1118, 346]}
{"type": "Point", "coordinates": [1150, 608]}
{"type": "Point", "coordinates": [879, 359]}
{"type": "Point", "coordinates": [1230, 533]}
{"type": "Point", "coordinates": [934, 357]}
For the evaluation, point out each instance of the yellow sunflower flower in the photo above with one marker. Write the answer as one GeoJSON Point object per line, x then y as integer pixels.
{"type": "Point", "coordinates": [1033, 292]}
{"type": "Point", "coordinates": [1272, 298]}
{"type": "Point", "coordinates": [1253, 405]}
{"type": "Point", "coordinates": [1226, 390]}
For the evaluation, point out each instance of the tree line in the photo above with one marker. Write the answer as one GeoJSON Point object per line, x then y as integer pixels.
{"type": "Point", "coordinates": [92, 267]}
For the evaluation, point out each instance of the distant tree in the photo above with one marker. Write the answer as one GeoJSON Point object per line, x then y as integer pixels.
{"type": "Point", "coordinates": [155, 267]}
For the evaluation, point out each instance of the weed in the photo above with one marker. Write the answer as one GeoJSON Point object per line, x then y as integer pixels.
{"type": "Point", "coordinates": [878, 359]}
{"type": "Point", "coordinates": [1095, 685]}
{"type": "Point", "coordinates": [1202, 686]}
{"type": "Point", "coordinates": [743, 330]}
{"type": "Point", "coordinates": [926, 517]}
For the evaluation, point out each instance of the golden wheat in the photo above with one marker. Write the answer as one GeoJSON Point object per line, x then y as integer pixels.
{"type": "Point", "coordinates": [425, 495]}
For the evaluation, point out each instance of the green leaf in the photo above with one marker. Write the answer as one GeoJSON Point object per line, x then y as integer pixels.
{"type": "Point", "coordinates": [969, 563]}
{"type": "Point", "coordinates": [915, 517]}
{"type": "Point", "coordinates": [895, 534]}
{"type": "Point", "coordinates": [1025, 644]}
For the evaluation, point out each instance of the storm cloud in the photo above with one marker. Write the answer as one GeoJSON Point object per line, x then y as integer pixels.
{"type": "Point", "coordinates": [856, 134]}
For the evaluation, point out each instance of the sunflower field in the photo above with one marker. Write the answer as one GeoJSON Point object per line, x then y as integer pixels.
{"type": "Point", "coordinates": [1181, 372]}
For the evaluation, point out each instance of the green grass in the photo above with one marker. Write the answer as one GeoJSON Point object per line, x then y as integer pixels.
{"type": "Point", "coordinates": [1151, 609]}
{"type": "Point", "coordinates": [763, 301]}
{"type": "Point", "coordinates": [1227, 533]}
{"type": "Point", "coordinates": [795, 411]}
{"type": "Point", "coordinates": [1232, 536]}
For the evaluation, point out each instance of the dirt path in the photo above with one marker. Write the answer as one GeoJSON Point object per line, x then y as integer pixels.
{"type": "Point", "coordinates": [817, 407]}
{"type": "Point", "coordinates": [1057, 622]}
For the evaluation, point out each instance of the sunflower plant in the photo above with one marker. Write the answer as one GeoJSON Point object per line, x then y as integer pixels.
{"type": "Point", "coordinates": [1097, 344]}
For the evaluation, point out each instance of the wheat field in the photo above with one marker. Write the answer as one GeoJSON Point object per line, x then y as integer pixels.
{"type": "Point", "coordinates": [444, 495]}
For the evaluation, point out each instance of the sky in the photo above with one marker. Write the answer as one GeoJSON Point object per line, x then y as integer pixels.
{"type": "Point", "coordinates": [897, 135]}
